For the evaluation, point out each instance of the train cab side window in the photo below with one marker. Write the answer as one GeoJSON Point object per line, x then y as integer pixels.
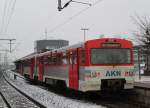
{"type": "Point", "coordinates": [82, 55]}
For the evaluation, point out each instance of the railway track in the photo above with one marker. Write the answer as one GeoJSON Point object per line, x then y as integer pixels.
{"type": "Point", "coordinates": [112, 100]}
{"type": "Point", "coordinates": [117, 100]}
{"type": "Point", "coordinates": [3, 102]}
{"type": "Point", "coordinates": [109, 100]}
{"type": "Point", "coordinates": [14, 98]}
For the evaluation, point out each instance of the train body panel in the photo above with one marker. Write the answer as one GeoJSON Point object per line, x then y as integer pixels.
{"type": "Point", "coordinates": [90, 78]}
{"type": "Point", "coordinates": [94, 65]}
{"type": "Point", "coordinates": [62, 71]}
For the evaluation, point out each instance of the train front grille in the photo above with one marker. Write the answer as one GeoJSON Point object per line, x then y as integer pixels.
{"type": "Point", "coordinates": [112, 84]}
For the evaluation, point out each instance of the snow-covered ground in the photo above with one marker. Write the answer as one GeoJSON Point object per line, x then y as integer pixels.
{"type": "Point", "coordinates": [2, 103]}
{"type": "Point", "coordinates": [49, 99]}
{"type": "Point", "coordinates": [52, 100]}
{"type": "Point", "coordinates": [14, 98]}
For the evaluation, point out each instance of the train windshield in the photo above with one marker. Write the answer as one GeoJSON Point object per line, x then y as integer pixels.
{"type": "Point", "coordinates": [110, 56]}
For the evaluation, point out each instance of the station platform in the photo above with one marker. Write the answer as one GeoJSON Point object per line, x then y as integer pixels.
{"type": "Point", "coordinates": [144, 82]}
{"type": "Point", "coordinates": [142, 90]}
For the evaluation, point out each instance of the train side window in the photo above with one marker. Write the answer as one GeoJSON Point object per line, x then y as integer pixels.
{"type": "Point", "coordinates": [37, 61]}
{"type": "Point", "coordinates": [41, 60]}
{"type": "Point", "coordinates": [64, 58]}
{"type": "Point", "coordinates": [53, 58]}
{"type": "Point", "coordinates": [48, 60]}
{"type": "Point", "coordinates": [59, 59]}
{"type": "Point", "coordinates": [26, 63]}
{"type": "Point", "coordinates": [45, 60]}
{"type": "Point", "coordinates": [70, 58]}
{"type": "Point", "coordinates": [75, 57]}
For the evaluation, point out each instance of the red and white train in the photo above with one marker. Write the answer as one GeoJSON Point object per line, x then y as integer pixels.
{"type": "Point", "coordinates": [89, 66]}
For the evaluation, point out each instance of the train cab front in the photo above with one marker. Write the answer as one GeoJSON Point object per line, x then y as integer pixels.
{"type": "Point", "coordinates": [110, 66]}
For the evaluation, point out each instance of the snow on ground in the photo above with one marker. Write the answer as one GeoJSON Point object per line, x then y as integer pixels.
{"type": "Point", "coordinates": [2, 103]}
{"type": "Point", "coordinates": [49, 99]}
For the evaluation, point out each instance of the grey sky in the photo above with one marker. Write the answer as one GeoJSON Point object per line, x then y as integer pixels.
{"type": "Point", "coordinates": [31, 17]}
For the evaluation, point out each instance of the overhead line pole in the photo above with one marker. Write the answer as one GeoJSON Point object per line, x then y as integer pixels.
{"type": "Point", "coordinates": [46, 34]}
{"type": "Point", "coordinates": [10, 42]}
{"type": "Point", "coordinates": [4, 61]}
{"type": "Point", "coordinates": [84, 29]}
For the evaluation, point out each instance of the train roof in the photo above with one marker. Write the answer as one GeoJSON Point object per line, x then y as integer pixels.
{"type": "Point", "coordinates": [32, 55]}
{"type": "Point", "coordinates": [48, 52]}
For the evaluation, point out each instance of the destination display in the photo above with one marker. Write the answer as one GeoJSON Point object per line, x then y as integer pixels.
{"type": "Point", "coordinates": [111, 45]}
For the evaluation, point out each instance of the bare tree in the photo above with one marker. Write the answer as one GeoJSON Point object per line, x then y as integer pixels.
{"type": "Point", "coordinates": [143, 37]}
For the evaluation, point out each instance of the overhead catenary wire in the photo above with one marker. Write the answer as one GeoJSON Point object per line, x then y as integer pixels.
{"type": "Point", "coordinates": [82, 2]}
{"type": "Point", "coordinates": [3, 16]}
{"type": "Point", "coordinates": [7, 14]}
{"type": "Point", "coordinates": [15, 48]}
{"type": "Point", "coordinates": [10, 16]}
{"type": "Point", "coordinates": [72, 17]}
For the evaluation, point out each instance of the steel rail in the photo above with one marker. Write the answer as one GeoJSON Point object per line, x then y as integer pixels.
{"type": "Point", "coordinates": [27, 96]}
{"type": "Point", "coordinates": [5, 100]}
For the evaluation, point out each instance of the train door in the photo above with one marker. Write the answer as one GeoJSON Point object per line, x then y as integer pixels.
{"type": "Point", "coordinates": [21, 68]}
{"type": "Point", "coordinates": [73, 69]}
{"type": "Point", "coordinates": [32, 68]}
{"type": "Point", "coordinates": [41, 69]}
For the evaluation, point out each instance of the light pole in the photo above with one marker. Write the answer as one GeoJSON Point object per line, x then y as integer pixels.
{"type": "Point", "coordinates": [84, 30]}
{"type": "Point", "coordinates": [139, 62]}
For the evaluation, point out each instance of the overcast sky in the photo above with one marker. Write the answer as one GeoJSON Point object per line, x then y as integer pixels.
{"type": "Point", "coordinates": [31, 17]}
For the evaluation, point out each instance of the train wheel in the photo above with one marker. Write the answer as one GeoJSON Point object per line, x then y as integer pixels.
{"type": "Point", "coordinates": [61, 84]}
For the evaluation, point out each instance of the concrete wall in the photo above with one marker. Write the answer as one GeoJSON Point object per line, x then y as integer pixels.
{"type": "Point", "coordinates": [41, 45]}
